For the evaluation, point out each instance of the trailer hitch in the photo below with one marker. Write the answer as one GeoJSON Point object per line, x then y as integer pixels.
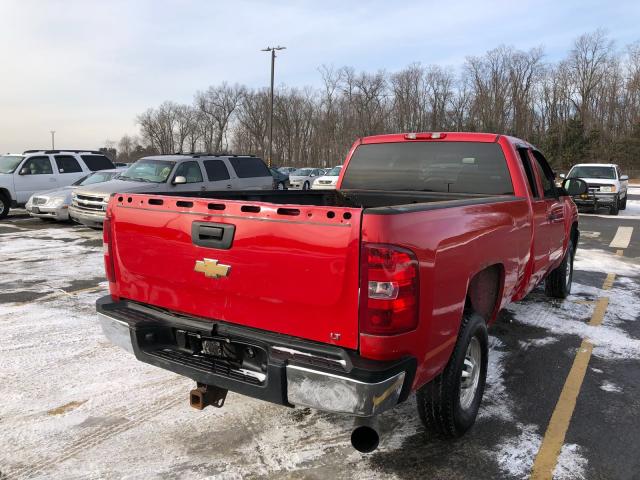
{"type": "Point", "coordinates": [205, 395]}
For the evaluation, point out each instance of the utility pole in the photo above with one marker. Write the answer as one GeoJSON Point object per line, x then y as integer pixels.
{"type": "Point", "coordinates": [53, 141]}
{"type": "Point", "coordinates": [273, 62]}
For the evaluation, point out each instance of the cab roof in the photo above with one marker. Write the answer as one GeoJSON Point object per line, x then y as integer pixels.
{"type": "Point", "coordinates": [444, 136]}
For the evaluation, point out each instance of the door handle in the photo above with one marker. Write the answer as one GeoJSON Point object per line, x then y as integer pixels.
{"type": "Point", "coordinates": [52, 179]}
{"type": "Point", "coordinates": [212, 235]}
{"type": "Point", "coordinates": [229, 186]}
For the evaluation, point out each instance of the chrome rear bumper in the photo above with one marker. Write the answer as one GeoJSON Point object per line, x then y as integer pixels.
{"type": "Point", "coordinates": [285, 380]}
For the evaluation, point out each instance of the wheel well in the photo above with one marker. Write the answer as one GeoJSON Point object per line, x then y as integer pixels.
{"type": "Point", "coordinates": [483, 293]}
{"type": "Point", "coordinates": [5, 193]}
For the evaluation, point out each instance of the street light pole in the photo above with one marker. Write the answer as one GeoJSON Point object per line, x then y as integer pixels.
{"type": "Point", "coordinates": [273, 63]}
{"type": "Point", "coordinates": [53, 142]}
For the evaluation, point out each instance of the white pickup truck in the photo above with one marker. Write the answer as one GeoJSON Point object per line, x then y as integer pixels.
{"type": "Point", "coordinates": [607, 186]}
{"type": "Point", "coordinates": [22, 175]}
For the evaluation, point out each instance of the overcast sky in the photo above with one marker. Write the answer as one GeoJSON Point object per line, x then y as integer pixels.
{"type": "Point", "coordinates": [87, 68]}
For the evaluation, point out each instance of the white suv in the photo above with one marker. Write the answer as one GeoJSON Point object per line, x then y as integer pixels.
{"type": "Point", "coordinates": [22, 175]}
{"type": "Point", "coordinates": [168, 174]}
{"type": "Point", "coordinates": [607, 186]}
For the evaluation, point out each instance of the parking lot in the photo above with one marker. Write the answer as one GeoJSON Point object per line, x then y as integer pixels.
{"type": "Point", "coordinates": [74, 406]}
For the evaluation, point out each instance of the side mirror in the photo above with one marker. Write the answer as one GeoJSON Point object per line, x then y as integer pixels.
{"type": "Point", "coordinates": [179, 180]}
{"type": "Point", "coordinates": [624, 177]}
{"type": "Point", "coordinates": [575, 186]}
{"type": "Point", "coordinates": [562, 175]}
{"type": "Point", "coordinates": [25, 171]}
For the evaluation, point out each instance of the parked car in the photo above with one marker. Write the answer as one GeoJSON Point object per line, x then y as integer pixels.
{"type": "Point", "coordinates": [172, 173]}
{"type": "Point", "coordinates": [21, 175]}
{"type": "Point", "coordinates": [349, 300]}
{"type": "Point", "coordinates": [327, 181]}
{"type": "Point", "coordinates": [302, 178]}
{"type": "Point", "coordinates": [280, 180]}
{"type": "Point", "coordinates": [55, 203]}
{"type": "Point", "coordinates": [607, 186]}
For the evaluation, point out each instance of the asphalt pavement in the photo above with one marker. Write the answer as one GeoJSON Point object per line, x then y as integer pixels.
{"type": "Point", "coordinates": [74, 406]}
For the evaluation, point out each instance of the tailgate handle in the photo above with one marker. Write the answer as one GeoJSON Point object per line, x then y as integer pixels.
{"type": "Point", "coordinates": [212, 235]}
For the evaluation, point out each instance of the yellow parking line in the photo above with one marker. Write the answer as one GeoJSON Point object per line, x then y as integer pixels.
{"type": "Point", "coordinates": [608, 283]}
{"type": "Point", "coordinates": [554, 436]}
{"type": "Point", "coordinates": [553, 440]}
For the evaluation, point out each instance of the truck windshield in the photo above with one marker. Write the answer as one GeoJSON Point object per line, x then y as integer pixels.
{"type": "Point", "coordinates": [8, 163]}
{"type": "Point", "coordinates": [154, 171]}
{"type": "Point", "coordinates": [456, 167]}
{"type": "Point", "coordinates": [607, 173]}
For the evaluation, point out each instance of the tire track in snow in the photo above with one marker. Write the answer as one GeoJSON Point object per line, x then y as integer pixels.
{"type": "Point", "coordinates": [135, 416]}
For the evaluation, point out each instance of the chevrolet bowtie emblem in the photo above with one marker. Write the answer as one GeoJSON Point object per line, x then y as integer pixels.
{"type": "Point", "coordinates": [211, 268]}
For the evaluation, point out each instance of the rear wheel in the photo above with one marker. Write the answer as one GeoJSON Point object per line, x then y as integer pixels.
{"type": "Point", "coordinates": [305, 186]}
{"type": "Point", "coordinates": [280, 186]}
{"type": "Point", "coordinates": [558, 283]}
{"type": "Point", "coordinates": [449, 404]}
{"type": "Point", "coordinates": [623, 203]}
{"type": "Point", "coordinates": [5, 205]}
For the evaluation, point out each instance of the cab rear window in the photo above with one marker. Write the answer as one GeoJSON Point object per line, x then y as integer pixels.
{"type": "Point", "coordinates": [454, 167]}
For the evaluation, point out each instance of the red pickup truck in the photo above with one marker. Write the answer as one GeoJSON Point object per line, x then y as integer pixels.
{"type": "Point", "coordinates": [349, 300]}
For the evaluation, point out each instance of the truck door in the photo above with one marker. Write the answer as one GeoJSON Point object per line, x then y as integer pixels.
{"type": "Point", "coordinates": [554, 228]}
{"type": "Point", "coordinates": [539, 245]}
{"type": "Point", "coordinates": [34, 175]}
{"type": "Point", "coordinates": [218, 175]}
{"type": "Point", "coordinates": [192, 172]}
{"type": "Point", "coordinates": [69, 170]}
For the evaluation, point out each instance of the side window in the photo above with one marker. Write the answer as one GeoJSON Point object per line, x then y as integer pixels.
{"type": "Point", "coordinates": [247, 167]}
{"type": "Point", "coordinates": [38, 166]}
{"type": "Point", "coordinates": [97, 162]}
{"type": "Point", "coordinates": [216, 170]}
{"type": "Point", "coordinates": [67, 164]}
{"type": "Point", "coordinates": [189, 170]}
{"type": "Point", "coordinates": [531, 179]}
{"type": "Point", "coordinates": [546, 175]}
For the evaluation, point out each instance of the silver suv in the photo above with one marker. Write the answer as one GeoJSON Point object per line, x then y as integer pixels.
{"type": "Point", "coordinates": [169, 174]}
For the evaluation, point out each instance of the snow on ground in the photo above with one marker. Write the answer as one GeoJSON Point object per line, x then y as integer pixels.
{"type": "Point", "coordinates": [632, 212]}
{"type": "Point", "coordinates": [75, 406]}
{"type": "Point", "coordinates": [48, 259]}
{"type": "Point", "coordinates": [610, 387]}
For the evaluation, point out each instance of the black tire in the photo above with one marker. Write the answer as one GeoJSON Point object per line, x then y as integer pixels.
{"type": "Point", "coordinates": [614, 208]}
{"type": "Point", "coordinates": [5, 205]}
{"type": "Point", "coordinates": [439, 401]}
{"type": "Point", "coordinates": [306, 186]}
{"type": "Point", "coordinates": [623, 203]}
{"type": "Point", "coordinates": [558, 283]}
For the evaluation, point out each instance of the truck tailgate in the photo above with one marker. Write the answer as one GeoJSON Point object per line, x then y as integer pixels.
{"type": "Point", "coordinates": [294, 269]}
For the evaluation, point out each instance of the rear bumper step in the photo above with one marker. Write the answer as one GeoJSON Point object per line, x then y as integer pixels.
{"type": "Point", "coordinates": [272, 367]}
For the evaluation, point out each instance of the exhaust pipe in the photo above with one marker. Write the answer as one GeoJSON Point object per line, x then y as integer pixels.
{"type": "Point", "coordinates": [365, 437]}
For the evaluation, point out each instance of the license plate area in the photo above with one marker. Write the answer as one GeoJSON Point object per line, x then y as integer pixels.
{"type": "Point", "coordinates": [35, 209]}
{"type": "Point", "coordinates": [236, 353]}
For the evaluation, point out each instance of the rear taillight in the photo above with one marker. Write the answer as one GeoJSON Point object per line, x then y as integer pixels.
{"type": "Point", "coordinates": [108, 250]}
{"type": "Point", "coordinates": [389, 290]}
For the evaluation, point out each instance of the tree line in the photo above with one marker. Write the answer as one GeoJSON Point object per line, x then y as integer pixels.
{"type": "Point", "coordinates": [585, 107]}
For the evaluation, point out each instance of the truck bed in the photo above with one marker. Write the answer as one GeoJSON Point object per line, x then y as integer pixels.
{"type": "Point", "coordinates": [345, 198]}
